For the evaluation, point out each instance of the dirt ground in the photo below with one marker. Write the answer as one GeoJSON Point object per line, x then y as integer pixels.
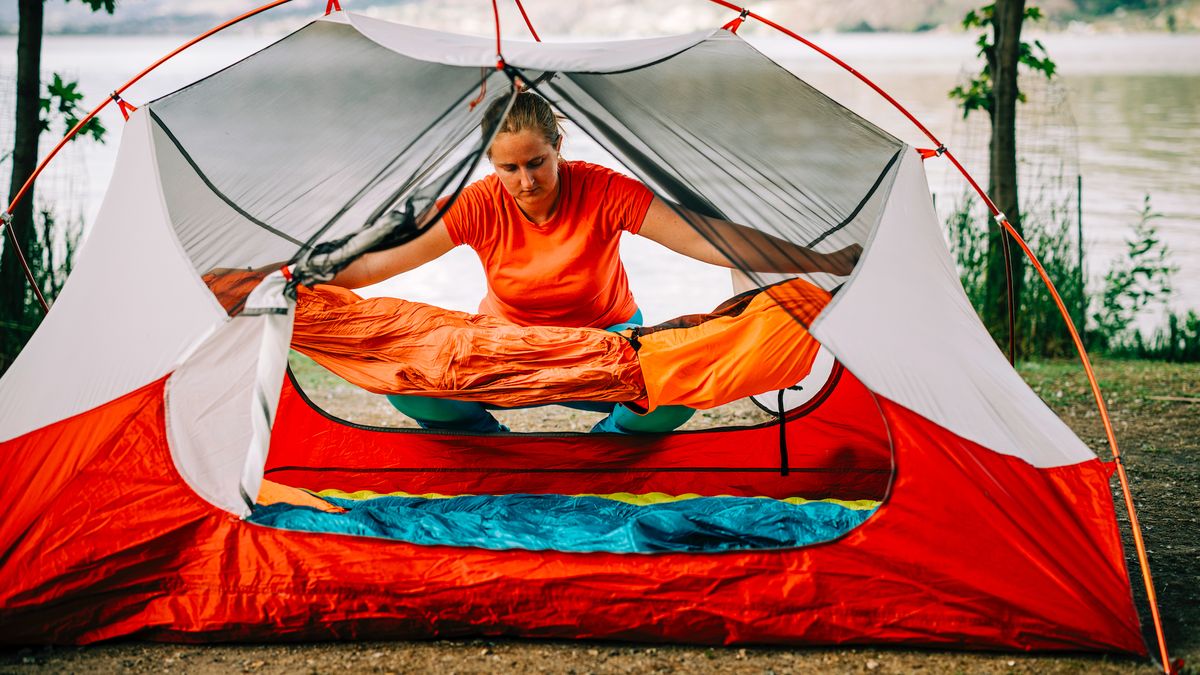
{"type": "Point", "coordinates": [1156, 413]}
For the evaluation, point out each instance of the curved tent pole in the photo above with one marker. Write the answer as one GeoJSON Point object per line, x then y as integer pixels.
{"type": "Point", "coordinates": [528, 23]}
{"type": "Point", "coordinates": [1112, 441]}
{"type": "Point", "coordinates": [6, 217]}
{"type": "Point", "coordinates": [499, 54]}
{"type": "Point", "coordinates": [1002, 221]}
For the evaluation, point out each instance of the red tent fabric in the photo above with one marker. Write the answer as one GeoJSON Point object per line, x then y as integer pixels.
{"type": "Point", "coordinates": [118, 544]}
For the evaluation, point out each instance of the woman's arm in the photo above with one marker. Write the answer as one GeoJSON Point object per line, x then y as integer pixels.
{"type": "Point", "coordinates": [756, 251]}
{"type": "Point", "coordinates": [372, 268]}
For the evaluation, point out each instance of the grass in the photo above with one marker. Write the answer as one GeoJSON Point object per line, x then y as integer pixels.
{"type": "Point", "coordinates": [1155, 411]}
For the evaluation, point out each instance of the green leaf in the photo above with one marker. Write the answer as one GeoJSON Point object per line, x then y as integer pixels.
{"type": "Point", "coordinates": [107, 5]}
{"type": "Point", "coordinates": [977, 94]}
{"type": "Point", "coordinates": [62, 101]}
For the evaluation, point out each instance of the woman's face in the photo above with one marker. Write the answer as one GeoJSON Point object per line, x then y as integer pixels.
{"type": "Point", "coordinates": [527, 165]}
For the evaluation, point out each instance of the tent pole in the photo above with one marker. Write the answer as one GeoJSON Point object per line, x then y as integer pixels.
{"type": "Point", "coordinates": [1139, 543]}
{"type": "Point", "coordinates": [1066, 315]}
{"type": "Point", "coordinates": [528, 23]}
{"type": "Point", "coordinates": [499, 54]}
{"type": "Point", "coordinates": [6, 216]}
{"type": "Point", "coordinates": [1079, 247]}
{"type": "Point", "coordinates": [1012, 305]}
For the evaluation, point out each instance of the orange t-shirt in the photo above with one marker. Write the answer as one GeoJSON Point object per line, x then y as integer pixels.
{"type": "Point", "coordinates": [566, 271]}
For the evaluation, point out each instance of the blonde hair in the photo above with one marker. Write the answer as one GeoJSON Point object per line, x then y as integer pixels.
{"type": "Point", "coordinates": [529, 112]}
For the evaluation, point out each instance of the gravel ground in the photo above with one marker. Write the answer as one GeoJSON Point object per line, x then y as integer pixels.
{"type": "Point", "coordinates": [1159, 443]}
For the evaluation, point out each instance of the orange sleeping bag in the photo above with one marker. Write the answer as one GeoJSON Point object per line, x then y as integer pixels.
{"type": "Point", "coordinates": [394, 346]}
{"type": "Point", "coordinates": [754, 343]}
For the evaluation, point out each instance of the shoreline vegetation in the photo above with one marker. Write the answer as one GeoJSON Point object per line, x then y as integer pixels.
{"type": "Point", "coordinates": [1105, 311]}
{"type": "Point", "coordinates": [599, 17]}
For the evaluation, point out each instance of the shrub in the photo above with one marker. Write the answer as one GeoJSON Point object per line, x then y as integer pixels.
{"type": "Point", "coordinates": [1138, 282]}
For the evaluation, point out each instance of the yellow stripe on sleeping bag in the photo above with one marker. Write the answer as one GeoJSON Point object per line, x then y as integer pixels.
{"type": "Point", "coordinates": [626, 497]}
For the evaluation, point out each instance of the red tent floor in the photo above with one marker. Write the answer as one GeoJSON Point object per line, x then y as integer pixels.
{"type": "Point", "coordinates": [102, 538]}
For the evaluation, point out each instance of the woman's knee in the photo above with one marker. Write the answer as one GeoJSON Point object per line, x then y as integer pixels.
{"type": "Point", "coordinates": [660, 420]}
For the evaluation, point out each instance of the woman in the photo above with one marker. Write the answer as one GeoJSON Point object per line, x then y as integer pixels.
{"type": "Point", "coordinates": [547, 232]}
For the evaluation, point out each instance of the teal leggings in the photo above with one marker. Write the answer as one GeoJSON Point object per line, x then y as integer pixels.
{"type": "Point", "coordinates": [448, 414]}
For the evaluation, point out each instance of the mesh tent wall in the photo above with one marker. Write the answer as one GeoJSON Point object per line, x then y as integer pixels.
{"type": "Point", "coordinates": [130, 480]}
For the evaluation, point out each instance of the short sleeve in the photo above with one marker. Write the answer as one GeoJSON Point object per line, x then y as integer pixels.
{"type": "Point", "coordinates": [628, 200]}
{"type": "Point", "coordinates": [466, 215]}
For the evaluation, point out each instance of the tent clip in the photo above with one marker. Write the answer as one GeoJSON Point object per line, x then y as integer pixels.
{"type": "Point", "coordinates": [125, 106]}
{"type": "Point", "coordinates": [1000, 217]}
{"type": "Point", "coordinates": [732, 26]}
{"type": "Point", "coordinates": [926, 153]}
{"type": "Point", "coordinates": [5, 217]}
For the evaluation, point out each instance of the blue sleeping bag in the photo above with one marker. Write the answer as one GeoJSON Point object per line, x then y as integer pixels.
{"type": "Point", "coordinates": [577, 523]}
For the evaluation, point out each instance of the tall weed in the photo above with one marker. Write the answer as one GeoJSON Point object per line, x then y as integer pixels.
{"type": "Point", "coordinates": [51, 258]}
{"type": "Point", "coordinates": [1135, 283]}
{"type": "Point", "coordinates": [1138, 282]}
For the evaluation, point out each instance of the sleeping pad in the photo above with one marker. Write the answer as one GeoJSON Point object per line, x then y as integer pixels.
{"type": "Point", "coordinates": [580, 523]}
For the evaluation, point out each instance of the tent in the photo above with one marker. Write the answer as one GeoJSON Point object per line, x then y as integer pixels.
{"type": "Point", "coordinates": [137, 426]}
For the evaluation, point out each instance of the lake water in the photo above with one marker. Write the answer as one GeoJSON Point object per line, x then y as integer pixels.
{"type": "Point", "coordinates": [1129, 124]}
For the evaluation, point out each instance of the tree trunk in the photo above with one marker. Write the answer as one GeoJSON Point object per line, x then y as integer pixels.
{"type": "Point", "coordinates": [14, 289]}
{"type": "Point", "coordinates": [1002, 180]}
